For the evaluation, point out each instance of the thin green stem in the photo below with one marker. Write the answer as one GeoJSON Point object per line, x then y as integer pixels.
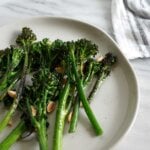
{"type": "Point", "coordinates": [4, 93]}
{"type": "Point", "coordinates": [32, 118]}
{"type": "Point", "coordinates": [13, 136]}
{"type": "Point", "coordinates": [8, 116]}
{"type": "Point", "coordinates": [75, 116]}
{"type": "Point", "coordinates": [60, 118]}
{"type": "Point", "coordinates": [40, 122]}
{"type": "Point", "coordinates": [11, 111]}
{"type": "Point", "coordinates": [41, 130]}
{"type": "Point", "coordinates": [97, 84]}
{"type": "Point", "coordinates": [83, 99]}
{"type": "Point", "coordinates": [74, 120]}
{"type": "Point", "coordinates": [89, 74]}
{"type": "Point", "coordinates": [42, 136]}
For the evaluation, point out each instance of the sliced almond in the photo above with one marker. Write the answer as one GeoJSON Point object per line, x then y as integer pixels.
{"type": "Point", "coordinates": [51, 106]}
{"type": "Point", "coordinates": [10, 123]}
{"type": "Point", "coordinates": [33, 110]}
{"type": "Point", "coordinates": [81, 105]}
{"type": "Point", "coordinates": [99, 59]}
{"type": "Point", "coordinates": [69, 117]}
{"type": "Point", "coordinates": [60, 69]}
{"type": "Point", "coordinates": [12, 94]}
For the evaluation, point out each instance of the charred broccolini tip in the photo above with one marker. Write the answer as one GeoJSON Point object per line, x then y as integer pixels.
{"type": "Point", "coordinates": [109, 59]}
{"type": "Point", "coordinates": [102, 70]}
{"type": "Point", "coordinates": [106, 64]}
{"type": "Point", "coordinates": [26, 36]}
{"type": "Point", "coordinates": [85, 49]}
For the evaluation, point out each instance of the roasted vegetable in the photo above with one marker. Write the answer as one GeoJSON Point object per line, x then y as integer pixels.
{"type": "Point", "coordinates": [60, 71]}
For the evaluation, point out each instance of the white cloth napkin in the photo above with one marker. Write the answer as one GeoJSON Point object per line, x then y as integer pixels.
{"type": "Point", "coordinates": [131, 25]}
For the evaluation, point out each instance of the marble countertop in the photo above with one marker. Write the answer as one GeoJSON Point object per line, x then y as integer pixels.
{"type": "Point", "coordinates": [96, 12]}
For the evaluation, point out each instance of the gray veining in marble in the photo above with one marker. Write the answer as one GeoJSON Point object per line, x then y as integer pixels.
{"type": "Point", "coordinates": [96, 12]}
{"type": "Point", "coordinates": [93, 12]}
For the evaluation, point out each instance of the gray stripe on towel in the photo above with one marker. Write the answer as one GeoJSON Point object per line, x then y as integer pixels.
{"type": "Point", "coordinates": [131, 27]}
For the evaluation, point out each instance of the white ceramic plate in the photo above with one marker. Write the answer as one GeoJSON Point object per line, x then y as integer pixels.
{"type": "Point", "coordinates": [115, 103]}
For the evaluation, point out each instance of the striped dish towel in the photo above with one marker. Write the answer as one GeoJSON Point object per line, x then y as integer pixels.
{"type": "Point", "coordinates": [131, 25]}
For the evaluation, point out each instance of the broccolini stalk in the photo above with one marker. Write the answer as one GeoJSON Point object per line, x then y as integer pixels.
{"type": "Point", "coordinates": [37, 96]}
{"type": "Point", "coordinates": [44, 89]}
{"type": "Point", "coordinates": [81, 52]}
{"type": "Point", "coordinates": [4, 92]}
{"type": "Point", "coordinates": [75, 115]}
{"type": "Point", "coordinates": [39, 125]}
{"type": "Point", "coordinates": [97, 84]}
{"type": "Point", "coordinates": [24, 40]}
{"type": "Point", "coordinates": [89, 72]}
{"type": "Point", "coordinates": [60, 117]}
{"type": "Point", "coordinates": [81, 94]}
{"type": "Point", "coordinates": [13, 72]}
{"type": "Point", "coordinates": [103, 70]}
{"type": "Point", "coordinates": [14, 56]}
{"type": "Point", "coordinates": [8, 116]}
{"type": "Point", "coordinates": [11, 111]}
{"type": "Point", "coordinates": [13, 136]}
{"type": "Point", "coordinates": [85, 79]}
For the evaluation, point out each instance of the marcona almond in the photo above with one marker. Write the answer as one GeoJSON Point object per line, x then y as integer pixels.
{"type": "Point", "coordinates": [33, 110]}
{"type": "Point", "coordinates": [69, 117]}
{"type": "Point", "coordinates": [12, 94]}
{"type": "Point", "coordinates": [51, 106]}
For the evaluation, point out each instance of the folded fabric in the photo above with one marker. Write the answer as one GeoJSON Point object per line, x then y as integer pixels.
{"type": "Point", "coordinates": [131, 25]}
